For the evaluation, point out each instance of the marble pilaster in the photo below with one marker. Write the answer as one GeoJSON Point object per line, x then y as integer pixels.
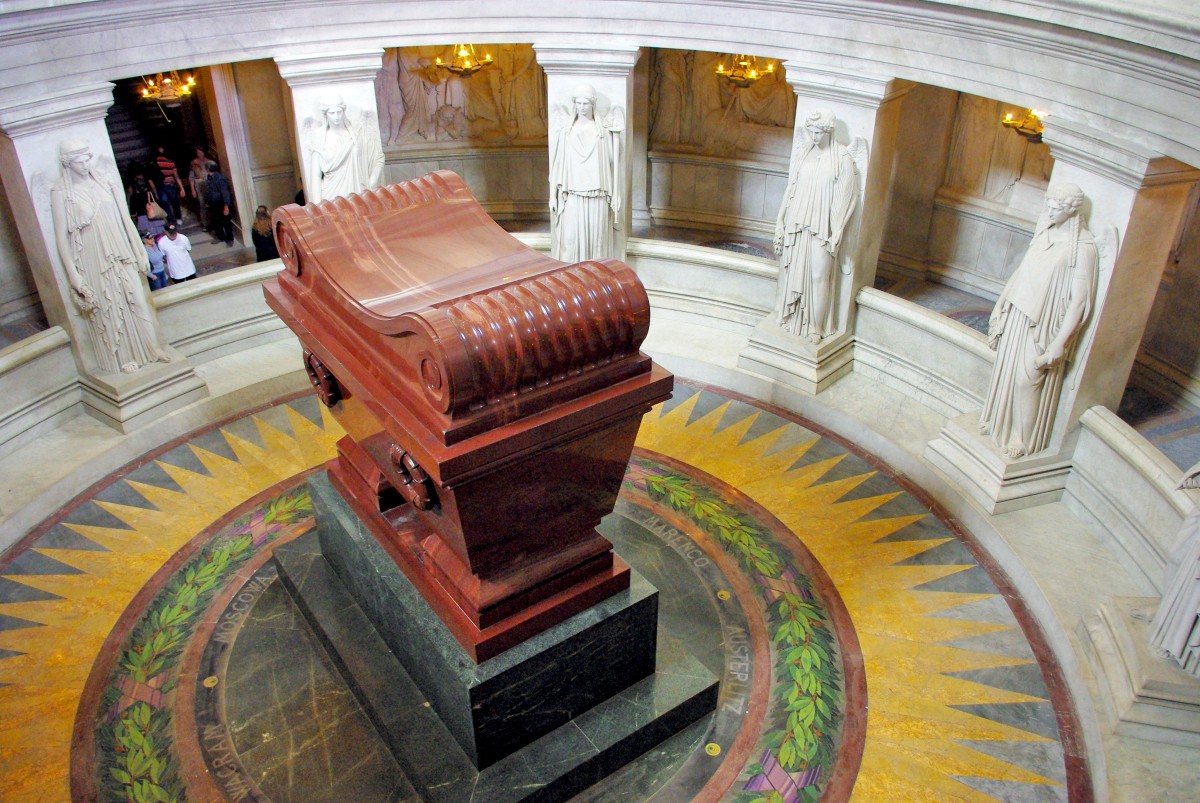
{"type": "Point", "coordinates": [610, 71]}
{"type": "Point", "coordinates": [29, 160]}
{"type": "Point", "coordinates": [233, 144]}
{"type": "Point", "coordinates": [310, 77]}
{"type": "Point", "coordinates": [866, 107]}
{"type": "Point", "coordinates": [639, 147]}
{"type": "Point", "coordinates": [1134, 202]}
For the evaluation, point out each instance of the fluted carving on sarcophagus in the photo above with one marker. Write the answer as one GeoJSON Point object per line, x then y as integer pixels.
{"type": "Point", "coordinates": [490, 395]}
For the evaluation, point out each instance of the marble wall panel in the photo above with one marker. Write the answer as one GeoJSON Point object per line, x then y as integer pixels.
{"type": "Point", "coordinates": [18, 296]}
{"type": "Point", "coordinates": [974, 248]}
{"type": "Point", "coordinates": [710, 191]}
{"type": "Point", "coordinates": [682, 191]}
{"type": "Point", "coordinates": [752, 195]}
{"type": "Point", "coordinates": [275, 185]}
{"type": "Point", "coordinates": [221, 314]}
{"type": "Point", "coordinates": [924, 355]}
{"type": "Point", "coordinates": [739, 196]}
{"type": "Point", "coordinates": [41, 387]}
{"type": "Point", "coordinates": [922, 147]}
{"type": "Point", "coordinates": [992, 265]}
{"type": "Point", "coordinates": [509, 182]}
{"type": "Point", "coordinates": [728, 291]}
{"type": "Point", "coordinates": [268, 125]}
{"type": "Point", "coordinates": [1125, 488]}
{"type": "Point", "coordinates": [1165, 340]}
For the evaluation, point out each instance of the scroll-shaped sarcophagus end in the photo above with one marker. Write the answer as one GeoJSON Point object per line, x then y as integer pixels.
{"type": "Point", "coordinates": [490, 395]}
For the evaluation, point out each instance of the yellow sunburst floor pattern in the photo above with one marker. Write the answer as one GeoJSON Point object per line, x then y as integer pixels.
{"type": "Point", "coordinates": [958, 706]}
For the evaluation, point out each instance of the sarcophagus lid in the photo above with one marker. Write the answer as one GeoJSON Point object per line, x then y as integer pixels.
{"type": "Point", "coordinates": [495, 390]}
{"type": "Point", "coordinates": [454, 318]}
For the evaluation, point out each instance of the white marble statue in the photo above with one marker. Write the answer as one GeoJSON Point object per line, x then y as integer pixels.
{"type": "Point", "coordinates": [1176, 626]}
{"type": "Point", "coordinates": [822, 194]}
{"type": "Point", "coordinates": [343, 156]}
{"type": "Point", "coordinates": [1035, 324]}
{"type": "Point", "coordinates": [586, 180]}
{"type": "Point", "coordinates": [105, 262]}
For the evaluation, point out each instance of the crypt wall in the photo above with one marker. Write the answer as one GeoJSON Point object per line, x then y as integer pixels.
{"type": "Point", "coordinates": [959, 187]}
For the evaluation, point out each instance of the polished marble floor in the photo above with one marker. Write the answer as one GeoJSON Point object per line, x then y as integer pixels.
{"type": "Point", "coordinates": [865, 646]}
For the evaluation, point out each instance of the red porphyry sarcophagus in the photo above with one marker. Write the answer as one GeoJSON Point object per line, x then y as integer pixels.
{"type": "Point", "coordinates": [490, 395]}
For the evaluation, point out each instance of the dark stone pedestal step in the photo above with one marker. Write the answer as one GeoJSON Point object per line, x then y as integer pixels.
{"type": "Point", "coordinates": [559, 764]}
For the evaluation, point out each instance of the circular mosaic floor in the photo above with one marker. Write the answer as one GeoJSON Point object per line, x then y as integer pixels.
{"type": "Point", "coordinates": [147, 645]}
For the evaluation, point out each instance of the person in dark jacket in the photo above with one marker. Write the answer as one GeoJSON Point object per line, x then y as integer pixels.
{"type": "Point", "coordinates": [219, 198]}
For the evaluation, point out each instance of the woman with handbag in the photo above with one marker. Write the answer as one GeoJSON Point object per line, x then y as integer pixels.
{"type": "Point", "coordinates": [143, 203]}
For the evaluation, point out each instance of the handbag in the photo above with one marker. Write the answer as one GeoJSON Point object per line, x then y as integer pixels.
{"type": "Point", "coordinates": [153, 210]}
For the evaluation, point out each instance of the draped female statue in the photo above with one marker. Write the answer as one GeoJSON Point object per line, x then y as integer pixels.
{"type": "Point", "coordinates": [1176, 626]}
{"type": "Point", "coordinates": [586, 181]}
{"type": "Point", "coordinates": [104, 260]}
{"type": "Point", "coordinates": [344, 156]}
{"type": "Point", "coordinates": [1035, 323]}
{"type": "Point", "coordinates": [821, 196]}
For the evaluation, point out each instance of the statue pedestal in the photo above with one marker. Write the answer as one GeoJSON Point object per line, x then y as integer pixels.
{"type": "Point", "coordinates": [1144, 695]}
{"type": "Point", "coordinates": [793, 360]}
{"type": "Point", "coordinates": [130, 401]}
{"type": "Point", "coordinates": [544, 719]}
{"type": "Point", "coordinates": [996, 483]}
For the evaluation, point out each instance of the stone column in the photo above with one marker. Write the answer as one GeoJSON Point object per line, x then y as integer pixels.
{"type": "Point", "coordinates": [29, 160]}
{"type": "Point", "coordinates": [1134, 204]}
{"type": "Point", "coordinates": [867, 109]}
{"type": "Point", "coordinates": [610, 72]}
{"type": "Point", "coordinates": [639, 147]}
{"type": "Point", "coordinates": [224, 109]}
{"type": "Point", "coordinates": [349, 75]}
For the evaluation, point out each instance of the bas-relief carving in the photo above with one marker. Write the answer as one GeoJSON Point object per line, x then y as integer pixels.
{"type": "Point", "coordinates": [586, 178]}
{"type": "Point", "coordinates": [499, 105]}
{"type": "Point", "coordinates": [104, 262]}
{"type": "Point", "coordinates": [342, 152]}
{"type": "Point", "coordinates": [986, 161]}
{"type": "Point", "coordinates": [693, 107]}
{"type": "Point", "coordinates": [824, 190]}
{"type": "Point", "coordinates": [1175, 630]}
{"type": "Point", "coordinates": [1035, 324]}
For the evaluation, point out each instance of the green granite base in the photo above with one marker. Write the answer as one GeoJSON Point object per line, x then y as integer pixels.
{"type": "Point", "coordinates": [540, 721]}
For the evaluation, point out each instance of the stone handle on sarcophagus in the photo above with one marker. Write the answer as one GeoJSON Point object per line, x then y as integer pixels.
{"type": "Point", "coordinates": [415, 487]}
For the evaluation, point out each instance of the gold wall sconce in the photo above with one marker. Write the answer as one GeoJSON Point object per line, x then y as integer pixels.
{"type": "Point", "coordinates": [465, 62]}
{"type": "Point", "coordinates": [1030, 126]}
{"type": "Point", "coordinates": [744, 70]}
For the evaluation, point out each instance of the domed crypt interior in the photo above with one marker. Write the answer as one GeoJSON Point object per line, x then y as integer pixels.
{"type": "Point", "coordinates": [893, 606]}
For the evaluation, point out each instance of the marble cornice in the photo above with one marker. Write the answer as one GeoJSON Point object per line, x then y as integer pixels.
{"type": "Point", "coordinates": [322, 68]}
{"type": "Point", "coordinates": [557, 59]}
{"type": "Point", "coordinates": [1135, 69]}
{"type": "Point", "coordinates": [1075, 144]}
{"type": "Point", "coordinates": [49, 112]}
{"type": "Point", "coordinates": [855, 88]}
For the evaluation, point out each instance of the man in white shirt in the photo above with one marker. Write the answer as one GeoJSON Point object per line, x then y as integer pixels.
{"type": "Point", "coordinates": [176, 248]}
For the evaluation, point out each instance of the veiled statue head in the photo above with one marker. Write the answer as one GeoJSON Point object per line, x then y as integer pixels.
{"type": "Point", "coordinates": [74, 154]}
{"type": "Point", "coordinates": [333, 109]}
{"type": "Point", "coordinates": [583, 97]}
{"type": "Point", "coordinates": [819, 123]}
{"type": "Point", "coordinates": [1063, 201]}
